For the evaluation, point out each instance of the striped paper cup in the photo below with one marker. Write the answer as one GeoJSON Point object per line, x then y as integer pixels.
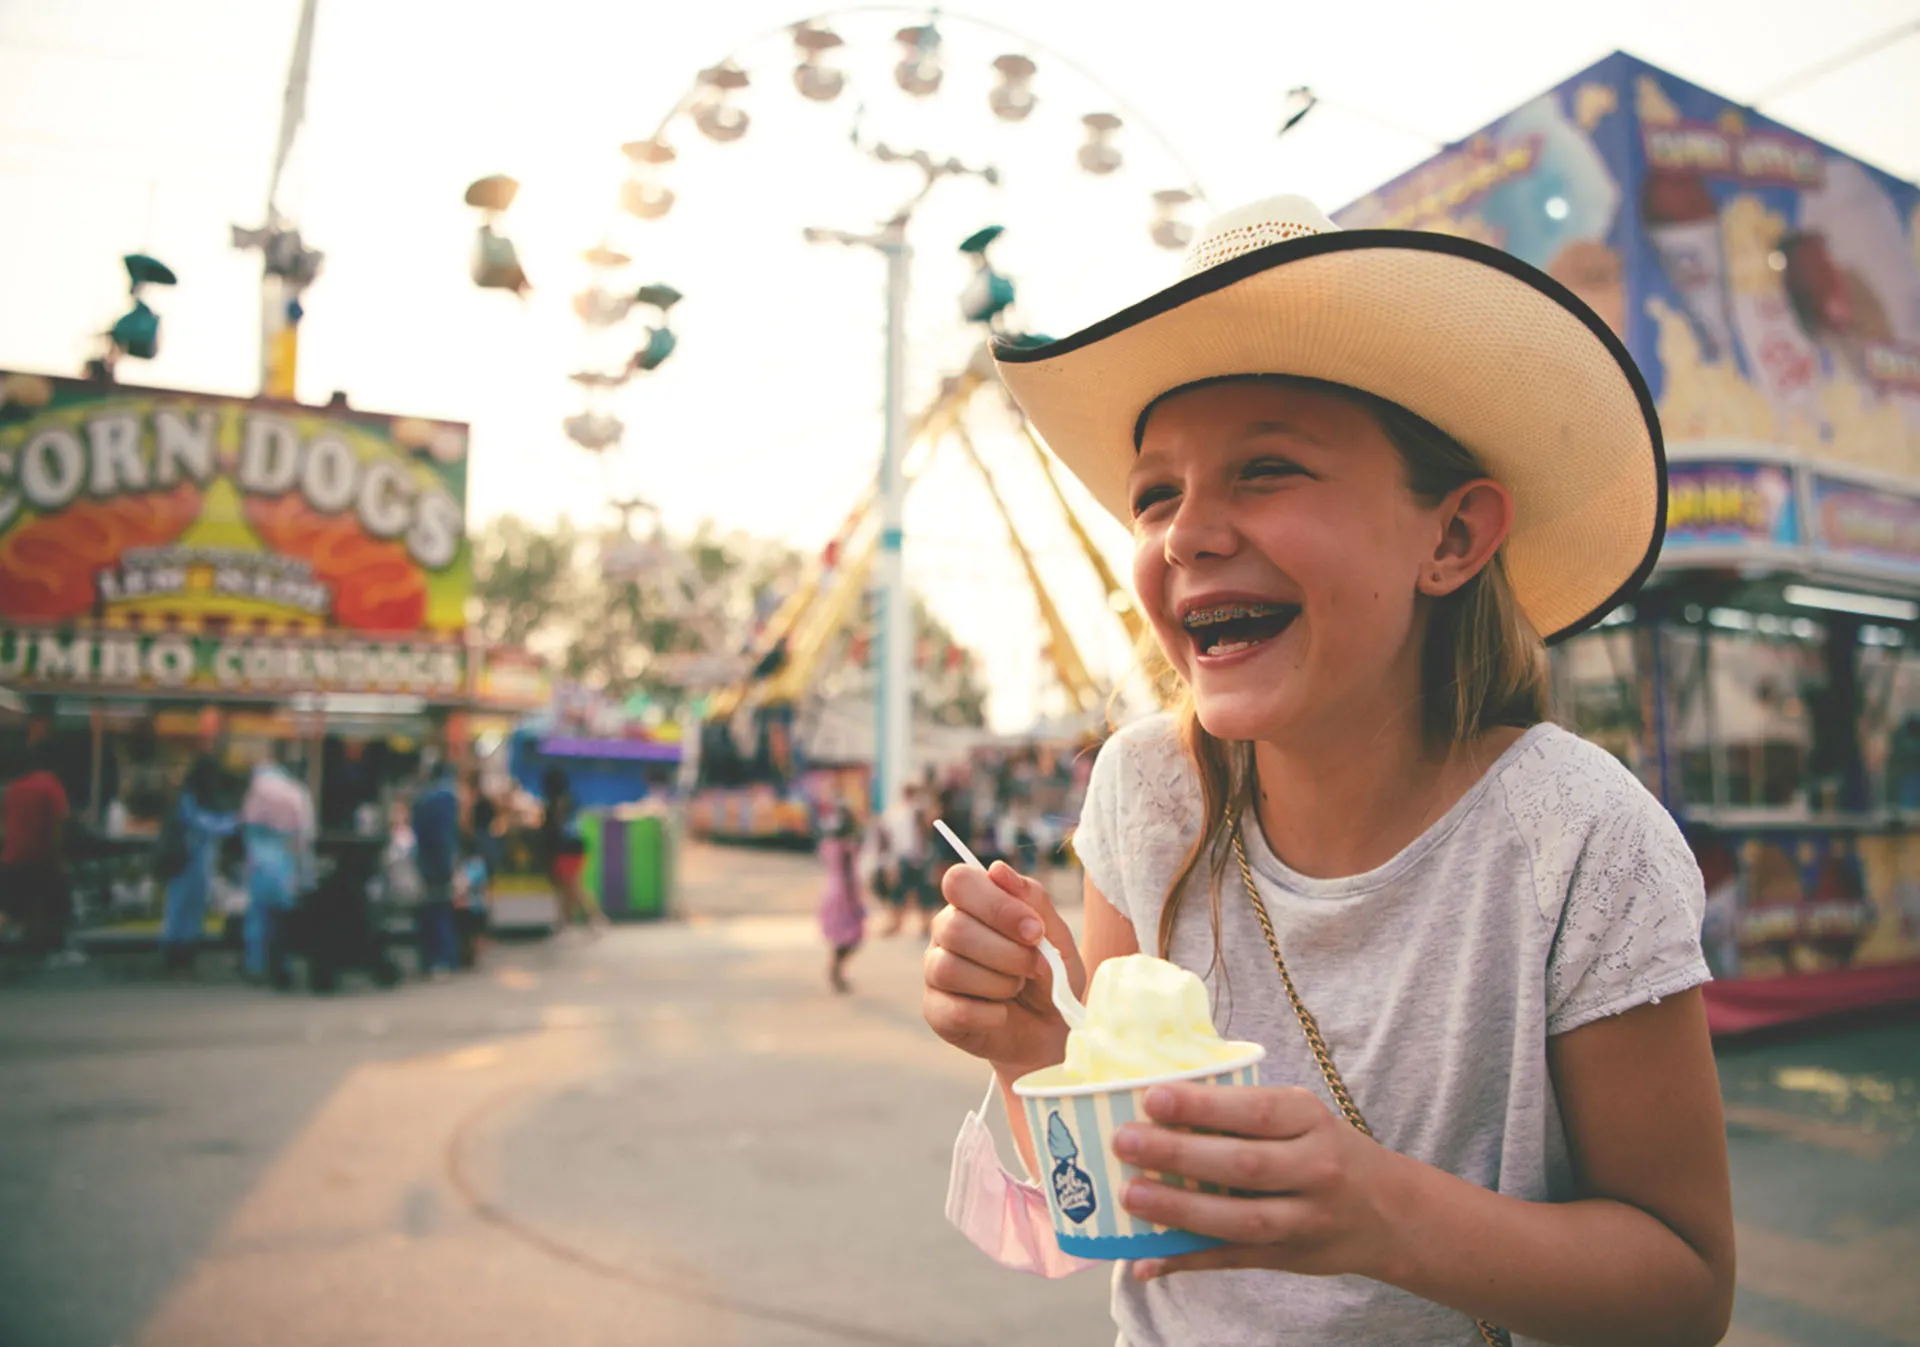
{"type": "Point", "coordinates": [1073, 1127]}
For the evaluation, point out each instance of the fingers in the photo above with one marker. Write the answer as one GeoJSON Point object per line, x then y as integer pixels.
{"type": "Point", "coordinates": [996, 899]}
{"type": "Point", "coordinates": [1237, 1220]}
{"type": "Point", "coordinates": [966, 937]}
{"type": "Point", "coordinates": [947, 968]}
{"type": "Point", "coordinates": [1234, 1162]}
{"type": "Point", "coordinates": [1035, 894]}
{"type": "Point", "coordinates": [962, 1019]}
{"type": "Point", "coordinates": [1241, 1110]}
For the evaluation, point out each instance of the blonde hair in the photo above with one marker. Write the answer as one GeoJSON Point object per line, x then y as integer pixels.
{"type": "Point", "coordinates": [1482, 665]}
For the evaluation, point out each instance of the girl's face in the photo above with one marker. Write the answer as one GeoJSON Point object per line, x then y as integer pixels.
{"type": "Point", "coordinates": [1280, 556]}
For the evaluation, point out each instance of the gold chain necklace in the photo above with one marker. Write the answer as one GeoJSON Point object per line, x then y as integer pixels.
{"type": "Point", "coordinates": [1317, 1043]}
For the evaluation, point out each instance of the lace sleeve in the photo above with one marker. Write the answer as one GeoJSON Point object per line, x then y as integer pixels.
{"type": "Point", "coordinates": [1630, 929]}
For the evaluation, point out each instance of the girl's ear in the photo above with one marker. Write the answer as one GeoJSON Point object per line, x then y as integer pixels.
{"type": "Point", "coordinates": [1474, 520]}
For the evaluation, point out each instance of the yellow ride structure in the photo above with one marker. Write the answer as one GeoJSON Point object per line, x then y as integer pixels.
{"type": "Point", "coordinates": [787, 654]}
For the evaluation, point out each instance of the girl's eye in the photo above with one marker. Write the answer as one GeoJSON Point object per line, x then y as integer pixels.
{"type": "Point", "coordinates": [1273, 467]}
{"type": "Point", "coordinates": [1150, 497]}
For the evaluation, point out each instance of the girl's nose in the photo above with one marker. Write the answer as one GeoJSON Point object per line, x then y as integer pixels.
{"type": "Point", "coordinates": [1199, 529]}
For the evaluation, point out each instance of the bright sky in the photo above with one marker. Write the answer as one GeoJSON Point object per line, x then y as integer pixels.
{"type": "Point", "coordinates": [129, 125]}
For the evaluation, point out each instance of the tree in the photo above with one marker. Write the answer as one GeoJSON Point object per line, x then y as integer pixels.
{"type": "Point", "coordinates": [946, 682]}
{"type": "Point", "coordinates": [549, 591]}
{"type": "Point", "coordinates": [523, 580]}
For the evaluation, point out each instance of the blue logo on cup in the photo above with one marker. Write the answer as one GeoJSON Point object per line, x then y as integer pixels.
{"type": "Point", "coordinates": [1072, 1187]}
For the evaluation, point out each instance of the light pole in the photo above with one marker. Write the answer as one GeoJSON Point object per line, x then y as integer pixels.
{"type": "Point", "coordinates": [893, 704]}
{"type": "Point", "coordinates": [288, 266]}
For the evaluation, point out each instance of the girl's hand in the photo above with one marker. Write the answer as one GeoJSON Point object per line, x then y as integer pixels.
{"type": "Point", "coordinates": [1309, 1190]}
{"type": "Point", "coordinates": [987, 987]}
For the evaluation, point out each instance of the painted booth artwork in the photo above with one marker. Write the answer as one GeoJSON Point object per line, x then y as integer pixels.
{"type": "Point", "coordinates": [1767, 285]}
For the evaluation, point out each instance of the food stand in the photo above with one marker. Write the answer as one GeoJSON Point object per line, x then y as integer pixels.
{"type": "Point", "coordinates": [182, 573]}
{"type": "Point", "coordinates": [1766, 684]}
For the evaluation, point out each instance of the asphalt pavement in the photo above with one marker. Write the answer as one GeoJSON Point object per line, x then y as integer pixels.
{"type": "Point", "coordinates": [676, 1135]}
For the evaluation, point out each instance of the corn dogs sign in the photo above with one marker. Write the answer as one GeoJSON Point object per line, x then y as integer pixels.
{"type": "Point", "coordinates": [237, 666]}
{"type": "Point", "coordinates": [136, 509]}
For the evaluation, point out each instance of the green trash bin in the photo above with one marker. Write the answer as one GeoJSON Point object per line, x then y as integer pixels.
{"type": "Point", "coordinates": [630, 864]}
{"type": "Point", "coordinates": [593, 830]}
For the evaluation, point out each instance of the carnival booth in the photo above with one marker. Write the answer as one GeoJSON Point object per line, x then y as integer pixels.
{"type": "Point", "coordinates": [185, 574]}
{"type": "Point", "coordinates": [1766, 684]}
{"type": "Point", "coordinates": [621, 764]}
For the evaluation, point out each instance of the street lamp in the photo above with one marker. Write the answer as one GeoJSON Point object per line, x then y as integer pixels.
{"type": "Point", "coordinates": [894, 707]}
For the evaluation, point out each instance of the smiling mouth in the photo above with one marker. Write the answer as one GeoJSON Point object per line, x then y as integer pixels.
{"type": "Point", "coordinates": [1231, 628]}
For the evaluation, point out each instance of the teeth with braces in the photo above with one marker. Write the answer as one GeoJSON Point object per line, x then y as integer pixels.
{"type": "Point", "coordinates": [1204, 617]}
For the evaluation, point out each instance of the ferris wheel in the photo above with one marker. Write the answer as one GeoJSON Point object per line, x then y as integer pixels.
{"type": "Point", "coordinates": [1005, 158]}
{"type": "Point", "coordinates": [830, 95]}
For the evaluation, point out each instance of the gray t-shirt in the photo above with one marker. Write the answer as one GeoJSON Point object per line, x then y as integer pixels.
{"type": "Point", "coordinates": [1556, 892]}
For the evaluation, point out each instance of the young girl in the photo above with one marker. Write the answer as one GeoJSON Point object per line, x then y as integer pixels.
{"type": "Point", "coordinates": [843, 917]}
{"type": "Point", "coordinates": [1366, 473]}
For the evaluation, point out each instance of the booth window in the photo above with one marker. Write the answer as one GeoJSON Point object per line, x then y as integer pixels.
{"type": "Point", "coordinates": [1890, 716]}
{"type": "Point", "coordinates": [1756, 717]}
{"type": "Point", "coordinates": [1598, 695]}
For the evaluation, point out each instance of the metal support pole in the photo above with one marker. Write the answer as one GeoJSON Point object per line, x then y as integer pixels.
{"type": "Point", "coordinates": [1655, 630]}
{"type": "Point", "coordinates": [279, 340]}
{"type": "Point", "coordinates": [1710, 707]}
{"type": "Point", "coordinates": [893, 745]}
{"type": "Point", "coordinates": [96, 762]}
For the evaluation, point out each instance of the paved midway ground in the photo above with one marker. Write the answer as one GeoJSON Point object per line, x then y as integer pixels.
{"type": "Point", "coordinates": [675, 1135]}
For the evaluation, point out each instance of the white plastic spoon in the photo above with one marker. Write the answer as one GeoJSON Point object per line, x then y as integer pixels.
{"type": "Point", "coordinates": [1064, 1000]}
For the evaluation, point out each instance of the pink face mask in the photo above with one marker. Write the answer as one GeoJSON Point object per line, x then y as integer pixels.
{"type": "Point", "coordinates": [1003, 1217]}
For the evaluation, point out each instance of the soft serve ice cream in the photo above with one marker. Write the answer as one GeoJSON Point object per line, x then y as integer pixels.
{"type": "Point", "coordinates": [1145, 1017]}
{"type": "Point", "coordinates": [1147, 1023]}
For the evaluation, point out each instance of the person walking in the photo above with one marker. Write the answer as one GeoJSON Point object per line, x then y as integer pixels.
{"type": "Point", "coordinates": [436, 838]}
{"type": "Point", "coordinates": [565, 852]}
{"type": "Point", "coordinates": [33, 877]}
{"type": "Point", "coordinates": [906, 824]}
{"type": "Point", "coordinates": [189, 845]}
{"type": "Point", "coordinates": [483, 861]}
{"type": "Point", "coordinates": [843, 917]}
{"type": "Point", "coordinates": [882, 870]}
{"type": "Point", "coordinates": [277, 827]}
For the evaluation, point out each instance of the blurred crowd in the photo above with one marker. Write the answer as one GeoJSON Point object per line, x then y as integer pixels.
{"type": "Point", "coordinates": [242, 862]}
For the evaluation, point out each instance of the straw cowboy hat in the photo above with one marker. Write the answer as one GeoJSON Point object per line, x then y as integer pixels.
{"type": "Point", "coordinates": [1492, 351]}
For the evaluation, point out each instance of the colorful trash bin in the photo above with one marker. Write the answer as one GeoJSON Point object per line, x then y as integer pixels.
{"type": "Point", "coordinates": [630, 860]}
